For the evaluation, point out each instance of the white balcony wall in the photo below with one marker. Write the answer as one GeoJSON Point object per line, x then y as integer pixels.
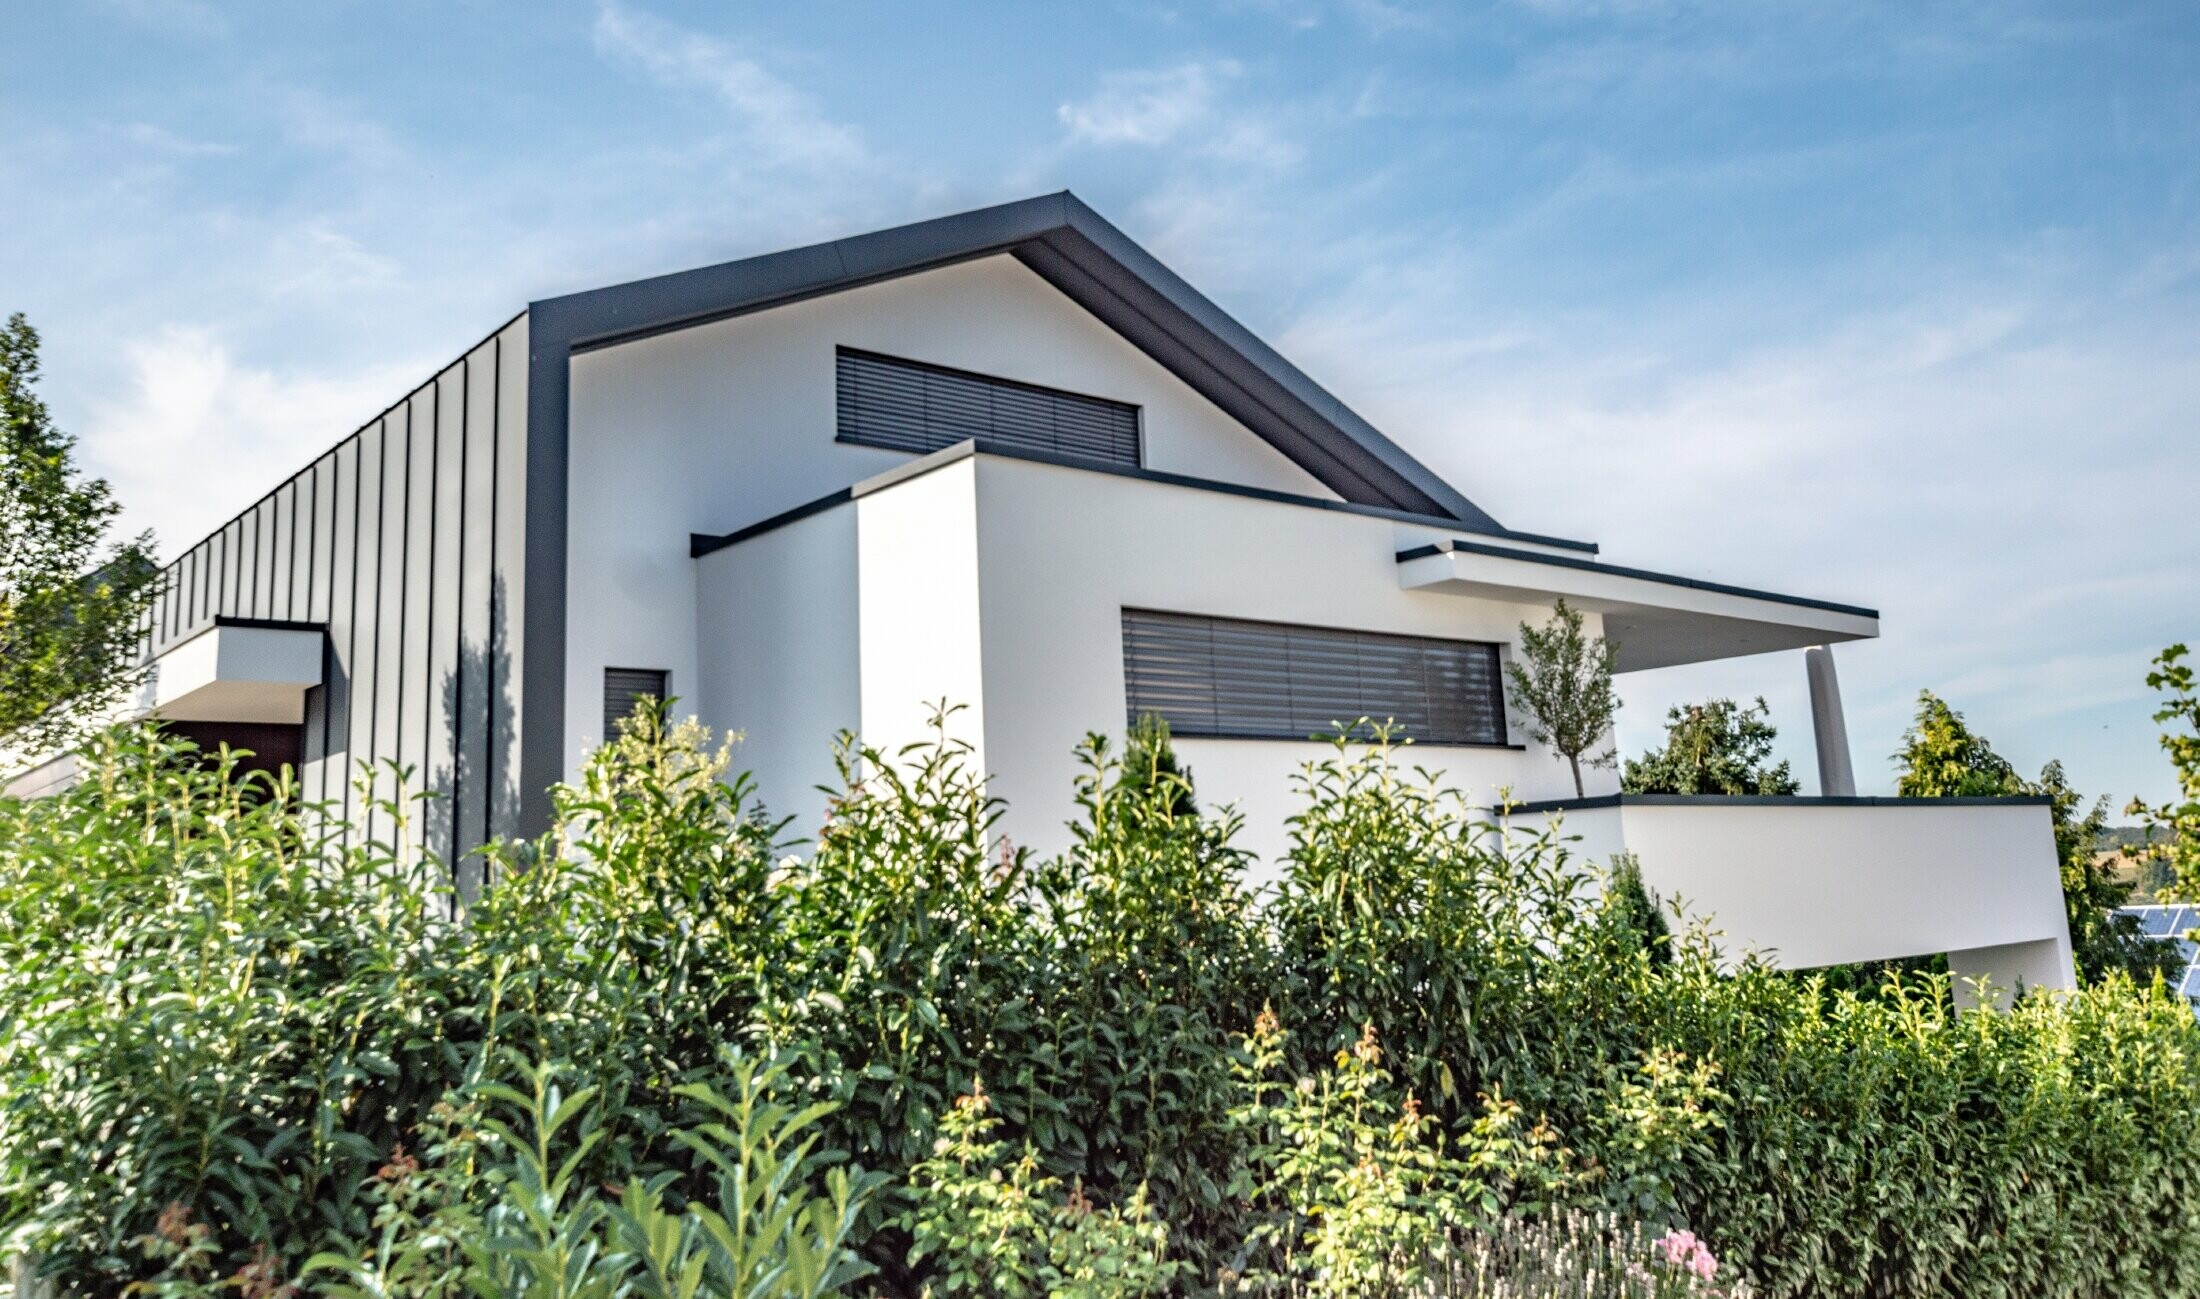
{"type": "Point", "coordinates": [1809, 883]}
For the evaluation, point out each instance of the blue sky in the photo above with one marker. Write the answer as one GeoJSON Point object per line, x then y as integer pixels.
{"type": "Point", "coordinates": [1896, 305]}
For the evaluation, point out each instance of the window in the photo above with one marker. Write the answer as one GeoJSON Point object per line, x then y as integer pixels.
{"type": "Point", "coordinates": [1264, 680]}
{"type": "Point", "coordinates": [623, 688]}
{"type": "Point", "coordinates": [911, 406]}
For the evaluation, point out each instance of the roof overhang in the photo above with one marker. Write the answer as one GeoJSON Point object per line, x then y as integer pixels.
{"type": "Point", "coordinates": [1654, 620]}
{"type": "Point", "coordinates": [238, 670]}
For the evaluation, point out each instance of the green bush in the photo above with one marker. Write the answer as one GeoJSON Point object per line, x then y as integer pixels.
{"type": "Point", "coordinates": [501, 1206]}
{"type": "Point", "coordinates": [232, 1041]}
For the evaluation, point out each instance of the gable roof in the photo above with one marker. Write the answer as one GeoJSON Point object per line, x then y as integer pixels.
{"type": "Point", "coordinates": [1095, 265]}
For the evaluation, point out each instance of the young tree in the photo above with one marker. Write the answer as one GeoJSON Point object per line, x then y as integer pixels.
{"type": "Point", "coordinates": [1562, 685]}
{"type": "Point", "coordinates": [2174, 827]}
{"type": "Point", "coordinates": [1715, 747]}
{"type": "Point", "coordinates": [69, 611]}
{"type": "Point", "coordinates": [1942, 757]}
{"type": "Point", "coordinates": [1149, 759]}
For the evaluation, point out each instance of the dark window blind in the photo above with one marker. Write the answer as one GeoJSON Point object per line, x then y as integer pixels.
{"type": "Point", "coordinates": [911, 406]}
{"type": "Point", "coordinates": [625, 687]}
{"type": "Point", "coordinates": [1263, 680]}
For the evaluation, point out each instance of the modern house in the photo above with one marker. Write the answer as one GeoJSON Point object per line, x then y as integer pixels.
{"type": "Point", "coordinates": [1004, 459]}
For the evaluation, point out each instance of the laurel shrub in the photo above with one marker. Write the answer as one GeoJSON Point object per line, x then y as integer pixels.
{"type": "Point", "coordinates": [241, 1048]}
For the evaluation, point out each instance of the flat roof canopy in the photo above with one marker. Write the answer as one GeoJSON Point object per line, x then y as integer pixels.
{"type": "Point", "coordinates": [1654, 620]}
{"type": "Point", "coordinates": [238, 670]}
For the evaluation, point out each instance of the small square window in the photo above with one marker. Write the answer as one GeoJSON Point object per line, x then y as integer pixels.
{"type": "Point", "coordinates": [624, 688]}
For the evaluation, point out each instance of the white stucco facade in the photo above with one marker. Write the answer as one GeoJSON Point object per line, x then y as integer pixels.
{"type": "Point", "coordinates": [716, 427]}
{"type": "Point", "coordinates": [998, 585]}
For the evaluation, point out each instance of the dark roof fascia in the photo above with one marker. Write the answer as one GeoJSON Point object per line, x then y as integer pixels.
{"type": "Point", "coordinates": [703, 543]}
{"type": "Point", "coordinates": [1450, 545]}
{"type": "Point", "coordinates": [622, 313]}
{"type": "Point", "coordinates": [1767, 800]}
{"type": "Point", "coordinates": [1283, 393]}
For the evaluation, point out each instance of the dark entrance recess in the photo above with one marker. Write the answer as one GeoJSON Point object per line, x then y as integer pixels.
{"type": "Point", "coordinates": [273, 745]}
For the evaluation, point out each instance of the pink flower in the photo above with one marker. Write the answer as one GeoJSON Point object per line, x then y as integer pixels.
{"type": "Point", "coordinates": [1681, 1249]}
{"type": "Point", "coordinates": [1678, 1246]}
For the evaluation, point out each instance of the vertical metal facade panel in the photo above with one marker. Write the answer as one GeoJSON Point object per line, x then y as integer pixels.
{"type": "Point", "coordinates": [277, 563]}
{"type": "Point", "coordinates": [473, 700]}
{"type": "Point", "coordinates": [164, 607]}
{"type": "Point", "coordinates": [256, 527]}
{"type": "Point", "coordinates": [407, 541]}
{"type": "Point", "coordinates": [439, 763]}
{"type": "Point", "coordinates": [232, 570]}
{"type": "Point", "coordinates": [339, 587]}
{"type": "Point", "coordinates": [507, 626]}
{"type": "Point", "coordinates": [389, 618]}
{"type": "Point", "coordinates": [414, 684]}
{"type": "Point", "coordinates": [298, 567]}
{"type": "Point", "coordinates": [311, 584]}
{"type": "Point", "coordinates": [366, 616]}
{"type": "Point", "coordinates": [320, 553]}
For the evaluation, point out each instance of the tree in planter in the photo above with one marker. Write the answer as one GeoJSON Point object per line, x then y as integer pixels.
{"type": "Point", "coordinates": [69, 612]}
{"type": "Point", "coordinates": [1942, 757]}
{"type": "Point", "coordinates": [1562, 685]}
{"type": "Point", "coordinates": [2173, 829]}
{"type": "Point", "coordinates": [1715, 747]}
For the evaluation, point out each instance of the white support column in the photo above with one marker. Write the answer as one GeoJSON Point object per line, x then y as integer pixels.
{"type": "Point", "coordinates": [1836, 777]}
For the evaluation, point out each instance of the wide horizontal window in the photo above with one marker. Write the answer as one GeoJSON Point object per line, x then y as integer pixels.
{"type": "Point", "coordinates": [1264, 680]}
{"type": "Point", "coordinates": [911, 406]}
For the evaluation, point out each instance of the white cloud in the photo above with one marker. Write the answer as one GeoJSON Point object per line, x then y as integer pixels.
{"type": "Point", "coordinates": [1184, 109]}
{"type": "Point", "coordinates": [1151, 106]}
{"type": "Point", "coordinates": [161, 140]}
{"type": "Point", "coordinates": [1378, 18]}
{"type": "Point", "coordinates": [779, 121]}
{"type": "Point", "coordinates": [195, 437]}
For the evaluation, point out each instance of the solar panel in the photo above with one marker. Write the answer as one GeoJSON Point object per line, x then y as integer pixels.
{"type": "Point", "coordinates": [2172, 923]}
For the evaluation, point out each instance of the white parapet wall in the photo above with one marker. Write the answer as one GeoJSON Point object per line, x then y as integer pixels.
{"type": "Point", "coordinates": [1809, 882]}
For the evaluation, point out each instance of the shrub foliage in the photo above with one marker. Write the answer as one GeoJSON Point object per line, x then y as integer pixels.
{"type": "Point", "coordinates": [240, 1050]}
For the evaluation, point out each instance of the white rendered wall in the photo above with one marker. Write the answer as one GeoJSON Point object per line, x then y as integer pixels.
{"type": "Point", "coordinates": [917, 544]}
{"type": "Point", "coordinates": [715, 427]}
{"type": "Point", "coordinates": [779, 656]}
{"type": "Point", "coordinates": [1062, 553]}
{"type": "Point", "coordinates": [1811, 884]}
{"type": "Point", "coordinates": [1000, 584]}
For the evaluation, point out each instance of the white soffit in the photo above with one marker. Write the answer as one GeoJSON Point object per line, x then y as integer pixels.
{"type": "Point", "coordinates": [1655, 621]}
{"type": "Point", "coordinates": [238, 673]}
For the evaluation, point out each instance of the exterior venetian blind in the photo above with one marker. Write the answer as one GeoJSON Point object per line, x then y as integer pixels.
{"type": "Point", "coordinates": [625, 687]}
{"type": "Point", "coordinates": [1260, 680]}
{"type": "Point", "coordinates": [912, 406]}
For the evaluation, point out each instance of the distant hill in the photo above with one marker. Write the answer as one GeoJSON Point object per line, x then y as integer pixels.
{"type": "Point", "coordinates": [2121, 838]}
{"type": "Point", "coordinates": [2122, 848]}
